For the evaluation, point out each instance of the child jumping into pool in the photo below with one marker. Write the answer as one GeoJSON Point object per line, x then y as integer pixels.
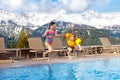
{"type": "Point", "coordinates": [72, 41]}
{"type": "Point", "coordinates": [49, 34]}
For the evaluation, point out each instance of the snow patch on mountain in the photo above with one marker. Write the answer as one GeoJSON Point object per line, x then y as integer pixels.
{"type": "Point", "coordinates": [92, 18]}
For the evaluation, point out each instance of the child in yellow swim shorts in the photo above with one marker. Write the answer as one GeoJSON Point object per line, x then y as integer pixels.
{"type": "Point", "coordinates": [72, 41]}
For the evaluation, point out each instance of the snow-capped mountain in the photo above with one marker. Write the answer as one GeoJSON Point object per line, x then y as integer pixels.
{"type": "Point", "coordinates": [92, 18]}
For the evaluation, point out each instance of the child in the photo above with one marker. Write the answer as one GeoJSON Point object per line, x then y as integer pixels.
{"type": "Point", "coordinates": [49, 34]}
{"type": "Point", "coordinates": [72, 41]}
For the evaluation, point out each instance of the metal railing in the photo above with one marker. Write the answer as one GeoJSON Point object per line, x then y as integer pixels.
{"type": "Point", "coordinates": [89, 36]}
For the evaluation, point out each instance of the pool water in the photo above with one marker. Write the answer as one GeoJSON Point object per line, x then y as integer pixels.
{"type": "Point", "coordinates": [100, 69]}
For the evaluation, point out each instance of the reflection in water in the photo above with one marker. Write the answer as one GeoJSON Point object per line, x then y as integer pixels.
{"type": "Point", "coordinates": [50, 72]}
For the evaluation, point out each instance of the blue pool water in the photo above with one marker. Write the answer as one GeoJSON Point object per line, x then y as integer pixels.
{"type": "Point", "coordinates": [101, 69]}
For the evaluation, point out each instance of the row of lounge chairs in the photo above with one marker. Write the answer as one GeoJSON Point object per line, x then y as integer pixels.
{"type": "Point", "coordinates": [36, 46]}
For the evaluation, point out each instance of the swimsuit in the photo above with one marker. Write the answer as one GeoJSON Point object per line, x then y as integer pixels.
{"type": "Point", "coordinates": [71, 43]}
{"type": "Point", "coordinates": [50, 35]}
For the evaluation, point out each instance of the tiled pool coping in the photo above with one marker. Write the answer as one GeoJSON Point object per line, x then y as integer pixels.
{"type": "Point", "coordinates": [39, 61]}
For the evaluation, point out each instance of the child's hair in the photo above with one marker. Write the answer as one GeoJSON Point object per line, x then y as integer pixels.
{"type": "Point", "coordinates": [51, 23]}
{"type": "Point", "coordinates": [74, 35]}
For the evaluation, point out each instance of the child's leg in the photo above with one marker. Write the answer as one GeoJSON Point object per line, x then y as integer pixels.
{"type": "Point", "coordinates": [49, 50]}
{"type": "Point", "coordinates": [69, 51]}
{"type": "Point", "coordinates": [49, 47]}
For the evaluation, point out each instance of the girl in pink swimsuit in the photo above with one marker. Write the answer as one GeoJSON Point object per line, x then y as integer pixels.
{"type": "Point", "coordinates": [49, 34]}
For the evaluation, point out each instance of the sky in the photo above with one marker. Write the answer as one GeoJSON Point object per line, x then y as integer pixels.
{"type": "Point", "coordinates": [67, 6]}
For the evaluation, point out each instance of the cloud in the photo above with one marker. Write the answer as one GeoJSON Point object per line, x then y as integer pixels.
{"type": "Point", "coordinates": [82, 5]}
{"type": "Point", "coordinates": [10, 4]}
{"type": "Point", "coordinates": [75, 5]}
{"type": "Point", "coordinates": [49, 6]}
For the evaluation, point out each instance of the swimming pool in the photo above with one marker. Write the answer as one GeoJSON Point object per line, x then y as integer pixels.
{"type": "Point", "coordinates": [100, 69]}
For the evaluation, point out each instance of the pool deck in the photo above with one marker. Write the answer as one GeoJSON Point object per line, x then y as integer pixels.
{"type": "Point", "coordinates": [42, 61]}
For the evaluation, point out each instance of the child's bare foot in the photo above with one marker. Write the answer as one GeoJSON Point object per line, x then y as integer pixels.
{"type": "Point", "coordinates": [70, 57]}
{"type": "Point", "coordinates": [80, 49]}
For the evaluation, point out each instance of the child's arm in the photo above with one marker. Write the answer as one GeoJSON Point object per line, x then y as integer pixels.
{"type": "Point", "coordinates": [78, 42]}
{"type": "Point", "coordinates": [79, 46]}
{"type": "Point", "coordinates": [58, 34]}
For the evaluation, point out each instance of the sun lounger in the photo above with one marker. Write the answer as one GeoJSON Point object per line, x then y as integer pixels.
{"type": "Point", "coordinates": [4, 53]}
{"type": "Point", "coordinates": [107, 46]}
{"type": "Point", "coordinates": [36, 46]}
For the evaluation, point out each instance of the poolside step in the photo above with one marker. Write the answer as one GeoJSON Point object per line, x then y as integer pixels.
{"type": "Point", "coordinates": [17, 58]}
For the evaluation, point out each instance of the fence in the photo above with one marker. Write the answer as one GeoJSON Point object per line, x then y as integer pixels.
{"type": "Point", "coordinates": [89, 36]}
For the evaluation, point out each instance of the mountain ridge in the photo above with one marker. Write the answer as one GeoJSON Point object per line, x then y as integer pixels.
{"type": "Point", "coordinates": [90, 17]}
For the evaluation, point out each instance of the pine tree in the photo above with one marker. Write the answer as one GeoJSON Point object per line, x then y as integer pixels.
{"type": "Point", "coordinates": [22, 40]}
